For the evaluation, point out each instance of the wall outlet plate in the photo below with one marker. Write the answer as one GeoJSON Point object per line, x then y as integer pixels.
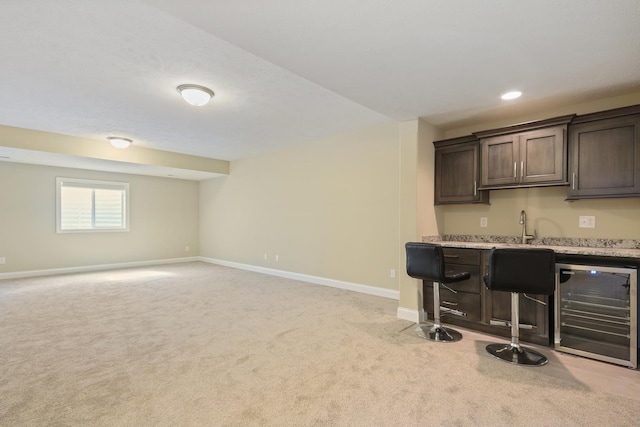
{"type": "Point", "coordinates": [587, 222]}
{"type": "Point", "coordinates": [484, 221]}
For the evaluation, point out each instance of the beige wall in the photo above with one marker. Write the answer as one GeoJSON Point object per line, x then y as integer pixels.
{"type": "Point", "coordinates": [163, 219]}
{"type": "Point", "coordinates": [578, 108]}
{"type": "Point", "coordinates": [547, 211]}
{"type": "Point", "coordinates": [67, 145]}
{"type": "Point", "coordinates": [417, 216]}
{"type": "Point", "coordinates": [327, 208]}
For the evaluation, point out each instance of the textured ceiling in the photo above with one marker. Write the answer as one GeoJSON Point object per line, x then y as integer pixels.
{"type": "Point", "coordinates": [291, 71]}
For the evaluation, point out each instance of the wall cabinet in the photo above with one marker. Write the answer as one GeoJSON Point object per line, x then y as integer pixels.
{"type": "Point", "coordinates": [457, 172]}
{"type": "Point", "coordinates": [527, 155]}
{"type": "Point", "coordinates": [596, 155]}
{"type": "Point", "coordinates": [604, 154]}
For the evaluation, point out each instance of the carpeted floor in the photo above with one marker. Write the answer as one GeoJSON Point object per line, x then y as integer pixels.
{"type": "Point", "coordinates": [203, 345]}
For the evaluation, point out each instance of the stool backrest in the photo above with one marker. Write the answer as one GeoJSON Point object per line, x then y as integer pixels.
{"type": "Point", "coordinates": [425, 261]}
{"type": "Point", "coordinates": [529, 271]}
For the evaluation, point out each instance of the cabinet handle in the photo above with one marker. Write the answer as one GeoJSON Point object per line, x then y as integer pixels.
{"type": "Point", "coordinates": [452, 256]}
{"type": "Point", "coordinates": [447, 310]}
{"type": "Point", "coordinates": [475, 188]}
{"type": "Point", "coordinates": [450, 303]}
{"type": "Point", "coordinates": [515, 169]}
{"type": "Point", "coordinates": [521, 168]}
{"type": "Point", "coordinates": [573, 181]}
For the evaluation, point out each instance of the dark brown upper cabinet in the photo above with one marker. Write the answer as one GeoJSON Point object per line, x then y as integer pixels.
{"type": "Point", "coordinates": [457, 172]}
{"type": "Point", "coordinates": [604, 154]}
{"type": "Point", "coordinates": [526, 155]}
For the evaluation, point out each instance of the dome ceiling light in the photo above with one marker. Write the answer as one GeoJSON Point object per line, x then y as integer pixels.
{"type": "Point", "coordinates": [511, 95]}
{"type": "Point", "coordinates": [195, 94]}
{"type": "Point", "coordinates": [119, 142]}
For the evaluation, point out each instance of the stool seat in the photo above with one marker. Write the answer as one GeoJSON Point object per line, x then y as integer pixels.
{"type": "Point", "coordinates": [425, 261]}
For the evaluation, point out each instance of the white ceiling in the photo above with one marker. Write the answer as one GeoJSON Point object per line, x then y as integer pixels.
{"type": "Point", "coordinates": [292, 71]}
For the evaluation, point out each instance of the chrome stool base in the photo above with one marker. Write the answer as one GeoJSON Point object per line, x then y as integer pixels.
{"type": "Point", "coordinates": [517, 355]}
{"type": "Point", "coordinates": [438, 333]}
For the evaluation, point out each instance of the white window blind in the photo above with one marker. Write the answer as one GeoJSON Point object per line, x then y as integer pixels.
{"type": "Point", "coordinates": [87, 205]}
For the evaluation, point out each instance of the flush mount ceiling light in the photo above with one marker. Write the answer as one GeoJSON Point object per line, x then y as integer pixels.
{"type": "Point", "coordinates": [195, 94]}
{"type": "Point", "coordinates": [119, 142]}
{"type": "Point", "coordinates": [511, 95]}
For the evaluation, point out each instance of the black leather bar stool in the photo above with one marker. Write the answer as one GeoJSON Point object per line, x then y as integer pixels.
{"type": "Point", "coordinates": [520, 271]}
{"type": "Point", "coordinates": [426, 261]}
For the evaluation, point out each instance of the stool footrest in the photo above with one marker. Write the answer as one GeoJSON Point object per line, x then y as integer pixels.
{"type": "Point", "coordinates": [507, 323]}
{"type": "Point", "coordinates": [447, 310]}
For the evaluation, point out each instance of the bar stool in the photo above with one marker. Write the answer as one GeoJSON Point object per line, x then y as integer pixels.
{"type": "Point", "coordinates": [426, 261]}
{"type": "Point", "coordinates": [520, 271]}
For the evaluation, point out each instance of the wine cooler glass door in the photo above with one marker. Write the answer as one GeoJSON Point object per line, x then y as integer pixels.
{"type": "Point", "coordinates": [596, 312]}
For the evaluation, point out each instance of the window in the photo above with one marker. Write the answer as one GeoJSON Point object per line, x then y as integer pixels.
{"type": "Point", "coordinates": [88, 206]}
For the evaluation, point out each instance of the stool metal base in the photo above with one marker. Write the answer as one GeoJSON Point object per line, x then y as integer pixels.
{"type": "Point", "coordinates": [438, 333]}
{"type": "Point", "coordinates": [517, 355]}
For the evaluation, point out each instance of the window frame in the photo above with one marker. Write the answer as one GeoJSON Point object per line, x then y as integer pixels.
{"type": "Point", "coordinates": [92, 184]}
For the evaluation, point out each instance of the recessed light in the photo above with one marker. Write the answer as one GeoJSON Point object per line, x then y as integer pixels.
{"type": "Point", "coordinates": [511, 95]}
{"type": "Point", "coordinates": [195, 94]}
{"type": "Point", "coordinates": [119, 142]}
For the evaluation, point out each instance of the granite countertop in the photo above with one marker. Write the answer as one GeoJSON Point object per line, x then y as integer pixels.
{"type": "Point", "coordinates": [595, 247]}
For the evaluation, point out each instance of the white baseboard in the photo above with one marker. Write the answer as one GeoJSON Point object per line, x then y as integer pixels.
{"type": "Point", "coordinates": [87, 268]}
{"type": "Point", "coordinates": [356, 287]}
{"type": "Point", "coordinates": [403, 313]}
{"type": "Point", "coordinates": [410, 315]}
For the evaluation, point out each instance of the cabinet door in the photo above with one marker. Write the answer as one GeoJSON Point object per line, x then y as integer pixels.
{"type": "Point", "coordinates": [604, 158]}
{"type": "Point", "coordinates": [532, 314]}
{"type": "Point", "coordinates": [543, 157]}
{"type": "Point", "coordinates": [456, 175]}
{"type": "Point", "coordinates": [464, 304]}
{"type": "Point", "coordinates": [500, 159]}
{"type": "Point", "coordinates": [461, 306]}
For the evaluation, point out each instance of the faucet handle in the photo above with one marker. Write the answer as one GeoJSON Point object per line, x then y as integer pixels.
{"type": "Point", "coordinates": [527, 237]}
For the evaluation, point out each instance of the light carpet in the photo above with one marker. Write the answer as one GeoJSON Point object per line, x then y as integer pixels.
{"type": "Point", "coordinates": [203, 345]}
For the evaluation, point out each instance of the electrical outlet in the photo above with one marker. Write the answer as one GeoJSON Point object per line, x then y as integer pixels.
{"type": "Point", "coordinates": [484, 221]}
{"type": "Point", "coordinates": [392, 274]}
{"type": "Point", "coordinates": [3, 260]}
{"type": "Point", "coordinates": [265, 256]}
{"type": "Point", "coordinates": [277, 257]}
{"type": "Point", "coordinates": [187, 248]}
{"type": "Point", "coordinates": [587, 222]}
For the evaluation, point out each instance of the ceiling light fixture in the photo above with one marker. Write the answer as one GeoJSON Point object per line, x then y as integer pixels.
{"type": "Point", "coordinates": [195, 94]}
{"type": "Point", "coordinates": [511, 95]}
{"type": "Point", "coordinates": [119, 142]}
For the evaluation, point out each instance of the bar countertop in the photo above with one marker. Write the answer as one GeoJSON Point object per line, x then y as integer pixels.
{"type": "Point", "coordinates": [570, 246]}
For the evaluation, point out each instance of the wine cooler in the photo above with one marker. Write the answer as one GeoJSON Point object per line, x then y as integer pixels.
{"type": "Point", "coordinates": [596, 312]}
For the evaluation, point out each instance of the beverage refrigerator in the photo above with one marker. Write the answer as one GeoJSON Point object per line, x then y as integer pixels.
{"type": "Point", "coordinates": [596, 312]}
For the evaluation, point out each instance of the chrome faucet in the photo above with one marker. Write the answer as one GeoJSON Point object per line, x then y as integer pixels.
{"type": "Point", "coordinates": [523, 222]}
